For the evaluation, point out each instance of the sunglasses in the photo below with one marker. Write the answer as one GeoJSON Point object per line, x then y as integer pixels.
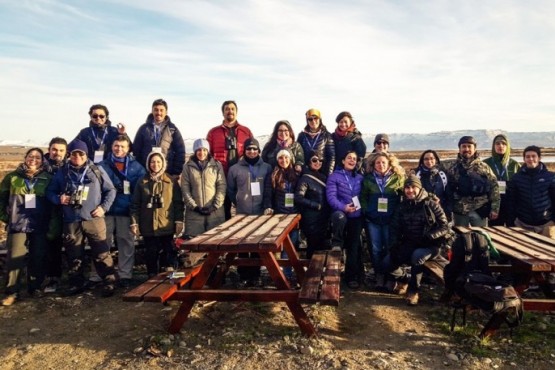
{"type": "Point", "coordinates": [316, 160]}
{"type": "Point", "coordinates": [101, 116]}
{"type": "Point", "coordinates": [382, 143]}
{"type": "Point", "coordinates": [251, 149]}
{"type": "Point", "coordinates": [310, 119]}
{"type": "Point", "coordinates": [76, 153]}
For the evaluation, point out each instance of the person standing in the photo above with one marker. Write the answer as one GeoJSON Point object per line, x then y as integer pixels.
{"type": "Point", "coordinates": [226, 143]}
{"type": "Point", "coordinates": [504, 168]}
{"type": "Point", "coordinates": [347, 137]}
{"type": "Point", "coordinates": [124, 172]}
{"type": "Point", "coordinates": [474, 187]}
{"type": "Point", "coordinates": [85, 193]}
{"type": "Point", "coordinates": [381, 143]}
{"type": "Point", "coordinates": [316, 137]}
{"type": "Point", "coordinates": [26, 211]}
{"type": "Point", "coordinates": [159, 134]}
{"type": "Point", "coordinates": [283, 138]}
{"type": "Point", "coordinates": [434, 180]}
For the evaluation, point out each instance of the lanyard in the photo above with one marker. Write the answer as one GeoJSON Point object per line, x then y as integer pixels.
{"type": "Point", "coordinates": [253, 174]}
{"type": "Point", "coordinates": [314, 141]}
{"type": "Point", "coordinates": [348, 181]}
{"type": "Point", "coordinates": [500, 174]}
{"type": "Point", "coordinates": [124, 173]}
{"type": "Point", "coordinates": [287, 187]}
{"type": "Point", "coordinates": [30, 184]}
{"type": "Point", "coordinates": [381, 182]}
{"type": "Point", "coordinates": [80, 181]}
{"type": "Point", "coordinates": [157, 134]}
{"type": "Point", "coordinates": [96, 138]}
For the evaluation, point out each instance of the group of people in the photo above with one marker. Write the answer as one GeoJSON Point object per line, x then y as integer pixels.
{"type": "Point", "coordinates": [103, 188]}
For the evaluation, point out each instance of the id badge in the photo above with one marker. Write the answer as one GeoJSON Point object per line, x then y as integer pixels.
{"type": "Point", "coordinates": [356, 202]}
{"type": "Point", "coordinates": [156, 149]}
{"type": "Point", "coordinates": [502, 186]}
{"type": "Point", "coordinates": [30, 201]}
{"type": "Point", "coordinates": [126, 187]}
{"type": "Point", "coordinates": [289, 199]}
{"type": "Point", "coordinates": [98, 156]}
{"type": "Point", "coordinates": [382, 204]}
{"type": "Point", "coordinates": [255, 188]}
{"type": "Point", "coordinates": [85, 192]}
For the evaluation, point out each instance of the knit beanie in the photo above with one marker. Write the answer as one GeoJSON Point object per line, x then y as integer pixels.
{"type": "Point", "coordinates": [413, 180]}
{"type": "Point", "coordinates": [199, 144]}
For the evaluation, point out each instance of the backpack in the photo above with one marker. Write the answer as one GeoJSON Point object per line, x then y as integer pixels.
{"type": "Point", "coordinates": [472, 183]}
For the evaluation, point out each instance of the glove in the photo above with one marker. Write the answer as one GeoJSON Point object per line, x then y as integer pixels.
{"type": "Point", "coordinates": [197, 210]}
{"type": "Point", "coordinates": [205, 211]}
{"type": "Point", "coordinates": [268, 211]}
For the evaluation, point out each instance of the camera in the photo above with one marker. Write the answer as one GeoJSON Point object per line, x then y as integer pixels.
{"type": "Point", "coordinates": [76, 199]}
{"type": "Point", "coordinates": [156, 201]}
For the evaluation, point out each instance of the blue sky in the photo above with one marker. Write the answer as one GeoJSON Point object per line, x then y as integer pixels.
{"type": "Point", "coordinates": [397, 66]}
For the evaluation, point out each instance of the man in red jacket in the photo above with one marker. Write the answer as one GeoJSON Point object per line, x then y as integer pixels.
{"type": "Point", "coordinates": [226, 142]}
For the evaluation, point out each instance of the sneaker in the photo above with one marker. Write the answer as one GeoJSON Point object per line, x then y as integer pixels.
{"type": "Point", "coordinates": [74, 290]}
{"type": "Point", "coordinates": [108, 290]}
{"type": "Point", "coordinates": [125, 283]}
{"type": "Point", "coordinates": [51, 287]}
{"type": "Point", "coordinates": [9, 300]}
{"type": "Point", "coordinates": [95, 279]}
{"type": "Point", "coordinates": [412, 299]}
{"type": "Point", "coordinates": [400, 288]}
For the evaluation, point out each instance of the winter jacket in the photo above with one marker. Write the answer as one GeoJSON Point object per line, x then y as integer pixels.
{"type": "Point", "coordinates": [269, 154]}
{"type": "Point", "coordinates": [203, 187]}
{"type": "Point", "coordinates": [531, 196]}
{"type": "Point", "coordinates": [170, 141]}
{"type": "Point", "coordinates": [341, 187]}
{"type": "Point", "coordinates": [435, 182]}
{"type": "Point", "coordinates": [351, 141]}
{"type": "Point", "coordinates": [133, 172]}
{"type": "Point", "coordinates": [310, 198]}
{"type": "Point", "coordinates": [275, 197]}
{"type": "Point", "coordinates": [101, 192]}
{"type": "Point", "coordinates": [321, 143]}
{"type": "Point", "coordinates": [98, 138]}
{"type": "Point", "coordinates": [371, 193]}
{"type": "Point", "coordinates": [13, 212]}
{"type": "Point", "coordinates": [220, 143]}
{"type": "Point", "coordinates": [239, 180]}
{"type": "Point", "coordinates": [52, 166]}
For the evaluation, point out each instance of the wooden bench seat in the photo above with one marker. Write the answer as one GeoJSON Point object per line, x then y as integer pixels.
{"type": "Point", "coordinates": [322, 279]}
{"type": "Point", "coordinates": [435, 267]}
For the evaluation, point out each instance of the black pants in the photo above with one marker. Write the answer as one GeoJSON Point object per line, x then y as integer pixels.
{"type": "Point", "coordinates": [159, 253]}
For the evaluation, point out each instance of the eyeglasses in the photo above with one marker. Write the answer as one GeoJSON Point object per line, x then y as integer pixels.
{"type": "Point", "coordinates": [316, 160]}
{"type": "Point", "coordinates": [251, 149]}
{"type": "Point", "coordinates": [283, 130]}
{"type": "Point", "coordinates": [101, 116]}
{"type": "Point", "coordinates": [382, 143]}
{"type": "Point", "coordinates": [310, 119]}
{"type": "Point", "coordinates": [79, 153]}
{"type": "Point", "coordinates": [34, 157]}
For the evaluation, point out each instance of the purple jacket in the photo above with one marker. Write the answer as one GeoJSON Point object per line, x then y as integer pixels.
{"type": "Point", "coordinates": [341, 187]}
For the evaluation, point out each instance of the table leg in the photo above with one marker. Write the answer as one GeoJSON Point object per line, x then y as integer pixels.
{"type": "Point", "coordinates": [294, 259]}
{"type": "Point", "coordinates": [181, 316]}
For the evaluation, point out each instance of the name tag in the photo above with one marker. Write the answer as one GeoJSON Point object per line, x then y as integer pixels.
{"type": "Point", "coordinates": [98, 156]}
{"type": "Point", "coordinates": [30, 201]}
{"type": "Point", "coordinates": [84, 192]}
{"type": "Point", "coordinates": [255, 188]}
{"type": "Point", "coordinates": [356, 202]}
{"type": "Point", "coordinates": [289, 199]}
{"type": "Point", "coordinates": [502, 186]}
{"type": "Point", "coordinates": [126, 187]}
{"type": "Point", "coordinates": [382, 204]}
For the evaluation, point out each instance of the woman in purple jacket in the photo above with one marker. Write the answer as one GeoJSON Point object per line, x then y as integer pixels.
{"type": "Point", "coordinates": [342, 191]}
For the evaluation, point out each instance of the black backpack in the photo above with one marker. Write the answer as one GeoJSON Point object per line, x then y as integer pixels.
{"type": "Point", "coordinates": [472, 183]}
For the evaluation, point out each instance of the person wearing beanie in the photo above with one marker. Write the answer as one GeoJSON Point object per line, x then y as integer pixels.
{"type": "Point", "coordinates": [227, 142]}
{"type": "Point", "coordinates": [504, 168]}
{"type": "Point", "coordinates": [316, 137]}
{"type": "Point", "coordinates": [283, 138]}
{"type": "Point", "coordinates": [245, 188]}
{"type": "Point", "coordinates": [474, 186]}
{"type": "Point", "coordinates": [347, 137]}
{"type": "Point", "coordinates": [381, 143]}
{"type": "Point", "coordinates": [157, 214]}
{"type": "Point", "coordinates": [434, 179]}
{"type": "Point", "coordinates": [413, 239]}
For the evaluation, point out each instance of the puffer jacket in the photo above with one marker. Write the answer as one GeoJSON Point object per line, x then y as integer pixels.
{"type": "Point", "coordinates": [133, 173]}
{"type": "Point", "coordinates": [239, 181]}
{"type": "Point", "coordinates": [371, 193]}
{"type": "Point", "coordinates": [90, 134]}
{"type": "Point", "coordinates": [351, 141]}
{"type": "Point", "coordinates": [341, 187]}
{"type": "Point", "coordinates": [435, 181]}
{"type": "Point", "coordinates": [275, 197]}
{"type": "Point", "coordinates": [217, 136]}
{"type": "Point", "coordinates": [12, 202]}
{"type": "Point", "coordinates": [531, 196]}
{"type": "Point", "coordinates": [321, 143]}
{"type": "Point", "coordinates": [310, 198]}
{"type": "Point", "coordinates": [171, 143]}
{"type": "Point", "coordinates": [269, 154]}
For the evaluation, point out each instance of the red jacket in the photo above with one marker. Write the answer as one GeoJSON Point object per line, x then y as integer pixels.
{"type": "Point", "coordinates": [217, 139]}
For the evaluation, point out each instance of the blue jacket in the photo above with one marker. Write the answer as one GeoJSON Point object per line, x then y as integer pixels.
{"type": "Point", "coordinates": [67, 180]}
{"type": "Point", "coordinates": [341, 187]}
{"type": "Point", "coordinates": [106, 135]}
{"type": "Point", "coordinates": [134, 172]}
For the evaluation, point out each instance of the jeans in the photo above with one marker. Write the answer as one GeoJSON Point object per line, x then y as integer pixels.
{"type": "Point", "coordinates": [18, 244]}
{"type": "Point", "coordinates": [379, 240]}
{"type": "Point", "coordinates": [392, 266]}
{"type": "Point", "coordinates": [294, 236]}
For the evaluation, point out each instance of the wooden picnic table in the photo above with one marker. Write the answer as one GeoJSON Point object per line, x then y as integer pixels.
{"type": "Point", "coordinates": [530, 256]}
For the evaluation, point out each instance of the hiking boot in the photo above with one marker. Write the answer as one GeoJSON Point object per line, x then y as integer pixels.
{"type": "Point", "coordinates": [37, 293]}
{"type": "Point", "coordinates": [108, 290]}
{"type": "Point", "coordinates": [52, 286]}
{"type": "Point", "coordinates": [412, 299]}
{"type": "Point", "coordinates": [401, 288]}
{"type": "Point", "coordinates": [74, 290]}
{"type": "Point", "coordinates": [9, 300]}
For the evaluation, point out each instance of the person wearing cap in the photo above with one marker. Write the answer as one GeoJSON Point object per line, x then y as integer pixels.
{"type": "Point", "coordinates": [316, 137]}
{"type": "Point", "coordinates": [504, 168]}
{"type": "Point", "coordinates": [380, 197]}
{"type": "Point", "coordinates": [474, 187]}
{"type": "Point", "coordinates": [100, 134]}
{"type": "Point", "coordinates": [159, 134]}
{"type": "Point", "coordinates": [85, 193]}
{"type": "Point", "coordinates": [124, 172]}
{"type": "Point", "coordinates": [347, 137]}
{"type": "Point", "coordinates": [226, 142]}
{"type": "Point", "coordinates": [434, 179]}
{"type": "Point", "coordinates": [156, 212]}
{"type": "Point", "coordinates": [245, 188]}
{"type": "Point", "coordinates": [310, 197]}
{"type": "Point", "coordinates": [381, 143]}
{"type": "Point", "coordinates": [283, 138]}
{"type": "Point", "coordinates": [416, 236]}
{"type": "Point", "coordinates": [26, 212]}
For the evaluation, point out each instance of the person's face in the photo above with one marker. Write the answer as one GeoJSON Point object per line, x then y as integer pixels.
{"type": "Point", "coordinates": [313, 122]}
{"type": "Point", "coordinates": [381, 165]}
{"type": "Point", "coordinates": [500, 147]}
{"type": "Point", "coordinates": [159, 112]}
{"type": "Point", "coordinates": [78, 158]}
{"type": "Point", "coordinates": [98, 117]}
{"type": "Point", "coordinates": [350, 161]}
{"type": "Point", "coordinates": [467, 150]}
{"type": "Point", "coordinates": [120, 148]}
{"type": "Point", "coordinates": [155, 164]}
{"type": "Point", "coordinates": [283, 133]}
{"type": "Point", "coordinates": [531, 159]}
{"type": "Point", "coordinates": [429, 160]}
{"type": "Point", "coordinates": [284, 161]}
{"type": "Point", "coordinates": [230, 113]}
{"type": "Point", "coordinates": [57, 152]}
{"type": "Point", "coordinates": [33, 160]}
{"type": "Point", "coordinates": [201, 154]}
{"type": "Point", "coordinates": [315, 163]}
{"type": "Point", "coordinates": [344, 123]}
{"type": "Point", "coordinates": [381, 146]}
{"type": "Point", "coordinates": [251, 152]}
{"type": "Point", "coordinates": [411, 191]}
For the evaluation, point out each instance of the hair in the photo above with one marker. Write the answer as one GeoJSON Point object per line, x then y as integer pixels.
{"type": "Point", "coordinates": [393, 163]}
{"type": "Point", "coordinates": [272, 143]}
{"type": "Point", "coordinates": [35, 150]}
{"type": "Point", "coordinates": [99, 106]}
{"type": "Point", "coordinates": [344, 114]}
{"type": "Point", "coordinates": [228, 102]}
{"type": "Point", "coordinates": [421, 161]}
{"type": "Point", "coordinates": [122, 137]}
{"type": "Point", "coordinates": [160, 102]}
{"type": "Point", "coordinates": [281, 175]}
{"type": "Point", "coordinates": [57, 140]}
{"type": "Point", "coordinates": [532, 148]}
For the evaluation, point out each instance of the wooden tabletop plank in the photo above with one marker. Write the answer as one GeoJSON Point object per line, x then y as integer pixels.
{"type": "Point", "coordinates": [311, 284]}
{"type": "Point", "coordinates": [279, 233]}
{"type": "Point", "coordinates": [527, 243]}
{"type": "Point", "coordinates": [215, 240]}
{"type": "Point", "coordinates": [193, 244]}
{"type": "Point", "coordinates": [259, 234]}
{"type": "Point", "coordinates": [332, 280]}
{"type": "Point", "coordinates": [257, 225]}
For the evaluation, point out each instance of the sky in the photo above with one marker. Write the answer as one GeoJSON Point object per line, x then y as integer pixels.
{"type": "Point", "coordinates": [397, 66]}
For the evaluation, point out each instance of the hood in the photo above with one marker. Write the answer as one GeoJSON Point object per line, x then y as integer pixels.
{"type": "Point", "coordinates": [503, 159]}
{"type": "Point", "coordinates": [164, 164]}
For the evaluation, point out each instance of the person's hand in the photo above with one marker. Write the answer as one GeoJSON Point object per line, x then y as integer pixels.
{"type": "Point", "coordinates": [98, 212]}
{"type": "Point", "coordinates": [121, 128]}
{"type": "Point", "coordinates": [134, 229]}
{"type": "Point", "coordinates": [197, 210]}
{"type": "Point", "coordinates": [205, 211]}
{"type": "Point", "coordinates": [349, 208]}
{"type": "Point", "coordinates": [493, 215]}
{"type": "Point", "coordinates": [178, 228]}
{"type": "Point", "coordinates": [268, 211]}
{"type": "Point", "coordinates": [298, 168]}
{"type": "Point", "coordinates": [64, 199]}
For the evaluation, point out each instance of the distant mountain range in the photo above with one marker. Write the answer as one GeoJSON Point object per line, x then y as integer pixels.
{"type": "Point", "coordinates": [443, 140]}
